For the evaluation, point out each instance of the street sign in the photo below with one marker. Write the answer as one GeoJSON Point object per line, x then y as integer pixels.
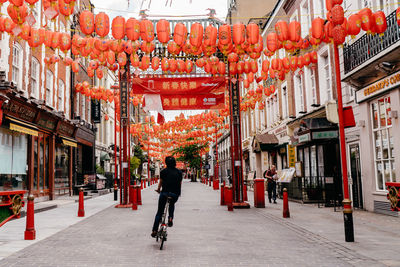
{"type": "Point", "coordinates": [124, 103]}
{"type": "Point", "coordinates": [215, 152]}
{"type": "Point", "coordinates": [96, 111]}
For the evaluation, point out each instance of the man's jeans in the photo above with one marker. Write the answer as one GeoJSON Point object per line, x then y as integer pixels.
{"type": "Point", "coordinates": [271, 191]}
{"type": "Point", "coordinates": [162, 200]}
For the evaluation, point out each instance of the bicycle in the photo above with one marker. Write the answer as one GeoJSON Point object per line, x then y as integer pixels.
{"type": "Point", "coordinates": [162, 230]}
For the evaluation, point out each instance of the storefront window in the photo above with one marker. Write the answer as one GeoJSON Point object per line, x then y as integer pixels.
{"type": "Point", "coordinates": [13, 160]}
{"type": "Point", "coordinates": [61, 179]}
{"type": "Point", "coordinates": [383, 142]}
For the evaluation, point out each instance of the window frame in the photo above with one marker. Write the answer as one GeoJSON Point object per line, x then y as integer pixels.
{"type": "Point", "coordinates": [60, 95]}
{"type": "Point", "coordinates": [49, 97]}
{"type": "Point", "coordinates": [34, 79]}
{"type": "Point", "coordinates": [16, 65]}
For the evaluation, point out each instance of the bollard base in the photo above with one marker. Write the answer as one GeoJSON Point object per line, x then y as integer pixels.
{"type": "Point", "coordinates": [286, 214]}
{"type": "Point", "coordinates": [348, 226]}
{"type": "Point", "coordinates": [30, 234]}
{"type": "Point", "coordinates": [230, 207]}
{"type": "Point", "coordinates": [134, 207]}
{"type": "Point", "coordinates": [241, 205]}
{"type": "Point", "coordinates": [123, 206]}
{"type": "Point", "coordinates": [115, 195]}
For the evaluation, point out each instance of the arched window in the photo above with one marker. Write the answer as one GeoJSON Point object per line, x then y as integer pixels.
{"type": "Point", "coordinates": [17, 65]}
{"type": "Point", "coordinates": [60, 95]}
{"type": "Point", "coordinates": [49, 88]}
{"type": "Point", "coordinates": [35, 77]}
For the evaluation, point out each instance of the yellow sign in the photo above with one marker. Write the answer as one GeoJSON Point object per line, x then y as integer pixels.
{"type": "Point", "coordinates": [380, 86]}
{"type": "Point", "coordinates": [21, 129]}
{"type": "Point", "coordinates": [69, 143]}
{"type": "Point", "coordinates": [291, 155]}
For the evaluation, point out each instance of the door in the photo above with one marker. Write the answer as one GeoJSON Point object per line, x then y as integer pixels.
{"type": "Point", "coordinates": [355, 173]}
{"type": "Point", "coordinates": [41, 165]}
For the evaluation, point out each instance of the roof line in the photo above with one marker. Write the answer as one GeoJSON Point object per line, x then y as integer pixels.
{"type": "Point", "coordinates": [272, 15]}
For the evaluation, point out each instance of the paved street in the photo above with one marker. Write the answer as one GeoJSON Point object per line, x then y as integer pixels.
{"type": "Point", "coordinates": [206, 234]}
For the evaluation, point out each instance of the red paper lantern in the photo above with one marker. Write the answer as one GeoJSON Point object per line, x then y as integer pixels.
{"type": "Point", "coordinates": [276, 64]}
{"type": "Point", "coordinates": [328, 4]}
{"type": "Point", "coordinates": [314, 57]}
{"type": "Point", "coordinates": [285, 63]}
{"type": "Point", "coordinates": [17, 3]}
{"type": "Point", "coordinates": [118, 27]}
{"type": "Point", "coordinates": [86, 22]}
{"type": "Point", "coordinates": [180, 34]}
{"type": "Point", "coordinates": [317, 28]}
{"type": "Point", "coordinates": [66, 9]}
{"type": "Point", "coordinates": [145, 63]}
{"type": "Point", "coordinates": [101, 44]}
{"type": "Point", "coordinates": [146, 30]}
{"type": "Point", "coordinates": [121, 59]}
{"type": "Point", "coordinates": [293, 63]}
{"type": "Point", "coordinates": [367, 20]}
{"type": "Point", "coordinates": [200, 62]}
{"type": "Point", "coordinates": [398, 16]}
{"type": "Point", "coordinates": [155, 63]}
{"type": "Point", "coordinates": [265, 65]}
{"type": "Point", "coordinates": [189, 66]}
{"type": "Point", "coordinates": [99, 73]}
{"type": "Point", "coordinates": [75, 66]}
{"type": "Point", "coordinates": [110, 57]}
{"type": "Point", "coordinates": [233, 57]}
{"type": "Point", "coordinates": [272, 41]}
{"type": "Point", "coordinates": [65, 42]}
{"type": "Point", "coordinates": [307, 59]}
{"type": "Point", "coordinates": [252, 33]}
{"type": "Point", "coordinates": [221, 68]}
{"type": "Point", "coordinates": [210, 36]}
{"type": "Point", "coordinates": [272, 89]}
{"type": "Point", "coordinates": [238, 33]}
{"type": "Point", "coordinates": [339, 34]}
{"type": "Point", "coordinates": [328, 28]}
{"type": "Point", "coordinates": [380, 22]}
{"type": "Point", "coordinates": [135, 60]}
{"type": "Point", "coordinates": [224, 34]}
{"type": "Point", "coordinates": [102, 24]}
{"type": "Point", "coordinates": [233, 68]}
{"type": "Point", "coordinates": [165, 64]}
{"type": "Point", "coordinates": [132, 29]}
{"type": "Point", "coordinates": [240, 67]}
{"type": "Point", "coordinates": [163, 31]}
{"type": "Point", "coordinates": [294, 31]}
{"type": "Point", "coordinates": [282, 30]}
{"type": "Point", "coordinates": [173, 66]}
{"type": "Point", "coordinates": [337, 14]}
{"type": "Point", "coordinates": [196, 34]}
{"type": "Point", "coordinates": [354, 25]}
{"type": "Point", "coordinates": [173, 48]}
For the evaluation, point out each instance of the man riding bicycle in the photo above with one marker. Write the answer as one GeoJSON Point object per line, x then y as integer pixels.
{"type": "Point", "coordinates": [169, 186]}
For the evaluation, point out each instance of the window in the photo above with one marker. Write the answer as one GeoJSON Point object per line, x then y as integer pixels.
{"type": "Point", "coordinates": [383, 142]}
{"type": "Point", "coordinates": [49, 88]}
{"type": "Point", "coordinates": [16, 65]}
{"type": "Point", "coordinates": [304, 19]}
{"type": "Point", "coordinates": [327, 72]}
{"type": "Point", "coordinates": [311, 84]}
{"type": "Point", "coordinates": [34, 77]}
{"type": "Point", "coordinates": [83, 111]}
{"type": "Point", "coordinates": [325, 77]}
{"type": "Point", "coordinates": [299, 94]}
{"type": "Point", "coordinates": [284, 102]}
{"type": "Point", "coordinates": [60, 95]}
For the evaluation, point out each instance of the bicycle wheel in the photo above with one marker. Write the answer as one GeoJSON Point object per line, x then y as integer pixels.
{"type": "Point", "coordinates": [162, 242]}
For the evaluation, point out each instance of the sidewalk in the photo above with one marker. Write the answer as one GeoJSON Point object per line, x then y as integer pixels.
{"type": "Point", "coordinates": [204, 234]}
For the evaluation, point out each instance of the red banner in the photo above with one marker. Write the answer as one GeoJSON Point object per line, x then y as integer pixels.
{"type": "Point", "coordinates": [172, 86]}
{"type": "Point", "coordinates": [194, 101]}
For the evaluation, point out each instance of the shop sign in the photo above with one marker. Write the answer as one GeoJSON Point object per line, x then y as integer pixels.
{"type": "Point", "coordinates": [304, 138]}
{"type": "Point", "coordinates": [20, 111]}
{"type": "Point", "coordinates": [281, 132]}
{"type": "Point", "coordinates": [96, 111]}
{"type": "Point", "coordinates": [69, 143]}
{"type": "Point", "coordinates": [124, 99]}
{"type": "Point", "coordinates": [378, 87]}
{"type": "Point", "coordinates": [66, 129]}
{"type": "Point", "coordinates": [22, 129]}
{"type": "Point", "coordinates": [46, 122]}
{"type": "Point", "coordinates": [184, 102]}
{"type": "Point", "coordinates": [235, 102]}
{"type": "Point", "coordinates": [325, 135]}
{"type": "Point", "coordinates": [291, 155]}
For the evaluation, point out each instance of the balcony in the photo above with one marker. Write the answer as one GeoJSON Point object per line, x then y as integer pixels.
{"type": "Point", "coordinates": [370, 50]}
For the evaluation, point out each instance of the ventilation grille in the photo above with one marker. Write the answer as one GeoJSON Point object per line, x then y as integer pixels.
{"type": "Point", "coordinates": [383, 207]}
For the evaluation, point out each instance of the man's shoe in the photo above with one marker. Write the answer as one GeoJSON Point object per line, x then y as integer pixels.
{"type": "Point", "coordinates": [275, 202]}
{"type": "Point", "coordinates": [170, 223]}
{"type": "Point", "coordinates": [270, 201]}
{"type": "Point", "coordinates": [153, 233]}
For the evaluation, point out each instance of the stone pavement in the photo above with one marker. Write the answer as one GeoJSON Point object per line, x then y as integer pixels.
{"type": "Point", "coordinates": [204, 234]}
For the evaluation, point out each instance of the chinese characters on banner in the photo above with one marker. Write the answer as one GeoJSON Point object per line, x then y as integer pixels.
{"type": "Point", "coordinates": [124, 99]}
{"type": "Point", "coordinates": [162, 86]}
{"type": "Point", "coordinates": [180, 102]}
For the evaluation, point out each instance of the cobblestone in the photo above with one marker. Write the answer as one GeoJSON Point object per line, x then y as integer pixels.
{"type": "Point", "coordinates": [204, 234]}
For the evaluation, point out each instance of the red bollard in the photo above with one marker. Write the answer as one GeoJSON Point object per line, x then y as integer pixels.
{"type": "Point", "coordinates": [245, 193]}
{"type": "Point", "coordinates": [141, 184]}
{"type": "Point", "coordinates": [81, 210]}
{"type": "Point", "coordinates": [259, 193]}
{"type": "Point", "coordinates": [229, 197]}
{"type": "Point", "coordinates": [144, 184]}
{"type": "Point", "coordinates": [209, 181]}
{"type": "Point", "coordinates": [130, 199]}
{"type": "Point", "coordinates": [139, 195]}
{"type": "Point", "coordinates": [134, 197]}
{"type": "Point", "coordinates": [215, 184]}
{"type": "Point", "coordinates": [222, 194]}
{"type": "Point", "coordinates": [30, 232]}
{"type": "Point", "coordinates": [286, 213]}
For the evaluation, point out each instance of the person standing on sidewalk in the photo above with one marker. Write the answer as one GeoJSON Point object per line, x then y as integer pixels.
{"type": "Point", "coordinates": [169, 186]}
{"type": "Point", "coordinates": [271, 177]}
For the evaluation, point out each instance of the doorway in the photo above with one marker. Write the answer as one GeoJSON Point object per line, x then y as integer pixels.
{"type": "Point", "coordinates": [41, 165]}
{"type": "Point", "coordinates": [355, 172]}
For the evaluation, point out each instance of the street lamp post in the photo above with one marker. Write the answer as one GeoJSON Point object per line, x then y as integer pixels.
{"type": "Point", "coordinates": [347, 210]}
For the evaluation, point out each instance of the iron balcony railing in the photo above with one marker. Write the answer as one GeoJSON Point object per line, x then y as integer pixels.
{"type": "Point", "coordinates": [368, 46]}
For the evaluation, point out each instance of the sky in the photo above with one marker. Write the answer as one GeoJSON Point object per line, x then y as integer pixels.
{"type": "Point", "coordinates": [158, 7]}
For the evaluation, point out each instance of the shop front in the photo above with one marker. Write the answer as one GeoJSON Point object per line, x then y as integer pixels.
{"type": "Point", "coordinates": [32, 155]}
{"type": "Point", "coordinates": [85, 155]}
{"type": "Point", "coordinates": [318, 173]}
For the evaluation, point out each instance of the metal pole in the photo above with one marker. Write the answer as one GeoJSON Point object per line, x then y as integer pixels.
{"type": "Point", "coordinates": [216, 174]}
{"type": "Point", "coordinates": [115, 154]}
{"type": "Point", "coordinates": [347, 210]}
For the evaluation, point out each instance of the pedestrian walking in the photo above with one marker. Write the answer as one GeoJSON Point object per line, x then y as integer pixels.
{"type": "Point", "coordinates": [169, 186]}
{"type": "Point", "coordinates": [271, 177]}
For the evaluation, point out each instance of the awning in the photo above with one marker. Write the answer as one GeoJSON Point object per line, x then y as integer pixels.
{"type": "Point", "coordinates": [104, 156]}
{"type": "Point", "coordinates": [22, 129]}
{"type": "Point", "coordinates": [69, 142]}
{"type": "Point", "coordinates": [264, 142]}
{"type": "Point", "coordinates": [101, 177]}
